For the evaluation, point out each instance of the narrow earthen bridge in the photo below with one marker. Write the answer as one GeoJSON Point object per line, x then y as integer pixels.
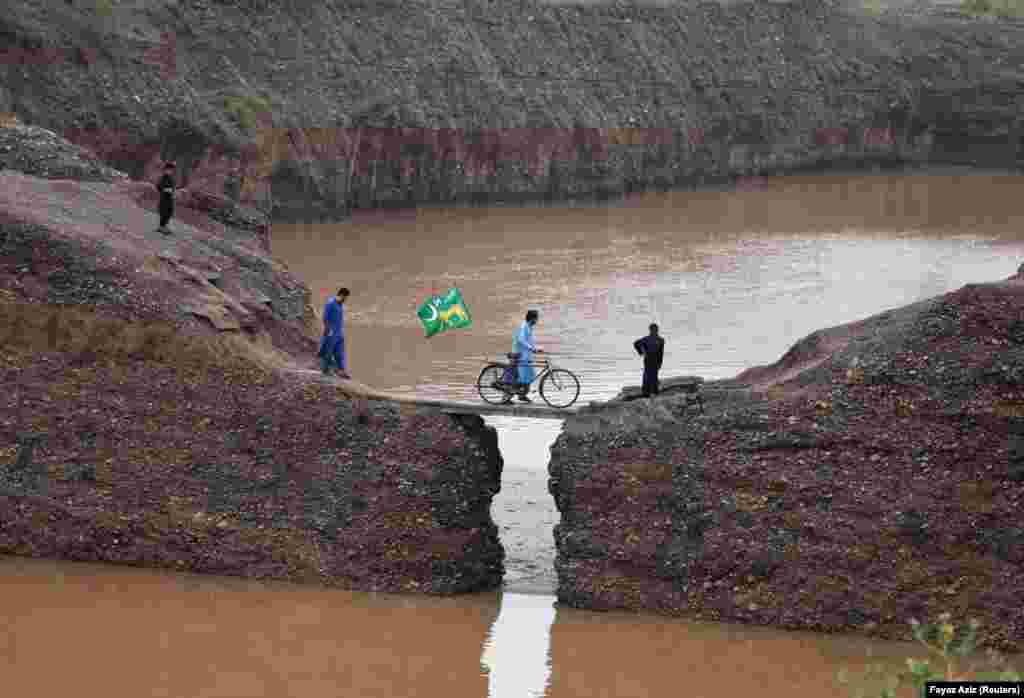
{"type": "Point", "coordinates": [683, 384]}
{"type": "Point", "coordinates": [512, 410]}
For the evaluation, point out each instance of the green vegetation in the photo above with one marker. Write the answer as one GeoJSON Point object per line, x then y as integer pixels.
{"type": "Point", "coordinates": [873, 7]}
{"type": "Point", "coordinates": [994, 8]}
{"type": "Point", "coordinates": [104, 8]}
{"type": "Point", "coordinates": [245, 109]}
{"type": "Point", "coordinates": [948, 646]}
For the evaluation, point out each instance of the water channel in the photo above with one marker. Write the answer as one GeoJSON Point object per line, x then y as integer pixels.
{"type": "Point", "coordinates": [733, 278]}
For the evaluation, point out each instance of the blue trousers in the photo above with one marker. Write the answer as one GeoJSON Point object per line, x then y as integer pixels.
{"type": "Point", "coordinates": [332, 353]}
{"type": "Point", "coordinates": [526, 374]}
{"type": "Point", "coordinates": [650, 384]}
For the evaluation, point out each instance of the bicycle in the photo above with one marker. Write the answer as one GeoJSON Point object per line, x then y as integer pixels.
{"type": "Point", "coordinates": [558, 386]}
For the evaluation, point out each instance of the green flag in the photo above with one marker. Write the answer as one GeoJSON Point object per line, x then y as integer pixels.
{"type": "Point", "coordinates": [445, 312]}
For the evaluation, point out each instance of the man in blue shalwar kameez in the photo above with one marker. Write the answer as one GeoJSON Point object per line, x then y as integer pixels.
{"type": "Point", "coordinates": [332, 346]}
{"type": "Point", "coordinates": [524, 346]}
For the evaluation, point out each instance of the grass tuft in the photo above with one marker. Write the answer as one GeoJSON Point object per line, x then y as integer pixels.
{"type": "Point", "coordinates": [245, 109]}
{"type": "Point", "coordinates": [1003, 9]}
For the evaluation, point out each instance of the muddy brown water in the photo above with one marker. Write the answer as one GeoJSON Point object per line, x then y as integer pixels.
{"type": "Point", "coordinates": [733, 278]}
{"type": "Point", "coordinates": [75, 629]}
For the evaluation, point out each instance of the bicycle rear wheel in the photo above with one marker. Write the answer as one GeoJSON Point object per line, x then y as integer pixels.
{"type": "Point", "coordinates": [490, 385]}
{"type": "Point", "coordinates": [560, 388]}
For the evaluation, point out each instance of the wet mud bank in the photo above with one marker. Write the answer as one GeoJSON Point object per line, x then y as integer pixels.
{"type": "Point", "coordinates": [156, 411]}
{"type": "Point", "coordinates": [874, 474]}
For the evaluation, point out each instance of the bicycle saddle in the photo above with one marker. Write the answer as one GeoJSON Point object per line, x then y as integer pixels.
{"type": "Point", "coordinates": [513, 356]}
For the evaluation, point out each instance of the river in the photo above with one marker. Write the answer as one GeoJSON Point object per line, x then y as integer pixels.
{"type": "Point", "coordinates": [733, 279]}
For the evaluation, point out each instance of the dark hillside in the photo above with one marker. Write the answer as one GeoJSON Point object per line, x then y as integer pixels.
{"type": "Point", "coordinates": [723, 91]}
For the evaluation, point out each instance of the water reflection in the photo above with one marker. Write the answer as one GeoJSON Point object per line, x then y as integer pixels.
{"type": "Point", "coordinates": [517, 654]}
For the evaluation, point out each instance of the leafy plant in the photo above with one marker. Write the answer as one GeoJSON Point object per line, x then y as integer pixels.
{"type": "Point", "coordinates": [873, 7]}
{"type": "Point", "coordinates": [948, 646]}
{"type": "Point", "coordinates": [1005, 9]}
{"type": "Point", "coordinates": [246, 108]}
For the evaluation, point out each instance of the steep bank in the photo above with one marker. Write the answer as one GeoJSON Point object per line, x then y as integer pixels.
{"type": "Point", "coordinates": [872, 475]}
{"type": "Point", "coordinates": [307, 109]}
{"type": "Point", "coordinates": [155, 411]}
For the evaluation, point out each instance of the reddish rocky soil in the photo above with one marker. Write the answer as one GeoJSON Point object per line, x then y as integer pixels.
{"type": "Point", "coordinates": [872, 475]}
{"type": "Point", "coordinates": [155, 411]}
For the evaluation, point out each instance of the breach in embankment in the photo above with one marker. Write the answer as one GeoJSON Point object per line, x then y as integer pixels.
{"type": "Point", "coordinates": [155, 411]}
{"type": "Point", "coordinates": [872, 475]}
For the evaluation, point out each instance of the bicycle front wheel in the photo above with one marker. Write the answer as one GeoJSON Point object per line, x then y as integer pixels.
{"type": "Point", "coordinates": [490, 385]}
{"type": "Point", "coordinates": [560, 388]}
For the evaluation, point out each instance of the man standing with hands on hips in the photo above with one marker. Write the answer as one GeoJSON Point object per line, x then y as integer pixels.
{"type": "Point", "coordinates": [652, 348]}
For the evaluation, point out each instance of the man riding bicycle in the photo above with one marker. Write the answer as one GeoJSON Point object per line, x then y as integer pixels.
{"type": "Point", "coordinates": [499, 382]}
{"type": "Point", "coordinates": [523, 345]}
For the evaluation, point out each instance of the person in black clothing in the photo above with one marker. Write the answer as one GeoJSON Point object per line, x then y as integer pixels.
{"type": "Point", "coordinates": [652, 348]}
{"type": "Point", "coordinates": [166, 188]}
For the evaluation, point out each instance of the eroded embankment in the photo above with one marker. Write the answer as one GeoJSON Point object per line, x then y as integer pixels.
{"type": "Point", "coordinates": [311, 109]}
{"type": "Point", "coordinates": [873, 475]}
{"type": "Point", "coordinates": [153, 413]}
{"type": "Point", "coordinates": [230, 470]}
